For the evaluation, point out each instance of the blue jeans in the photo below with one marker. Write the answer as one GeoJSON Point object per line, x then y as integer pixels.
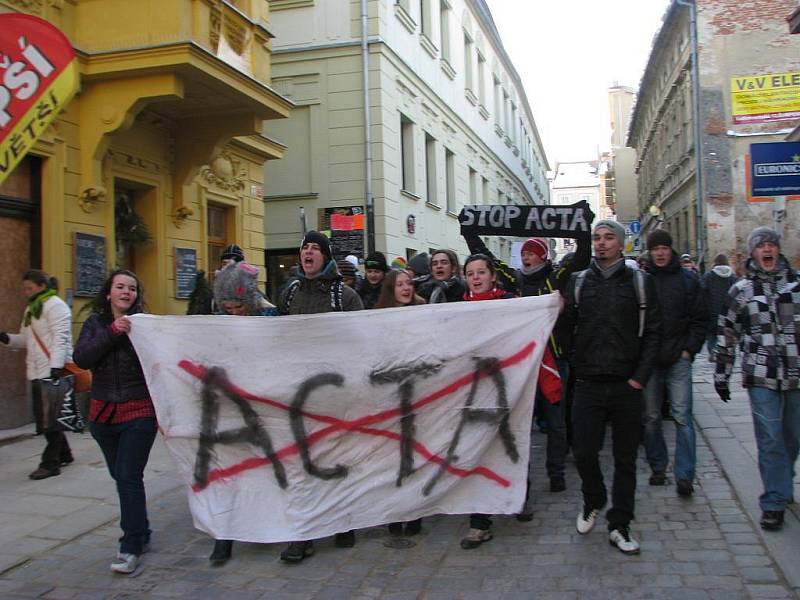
{"type": "Point", "coordinates": [677, 381]}
{"type": "Point", "coordinates": [126, 448]}
{"type": "Point", "coordinates": [554, 414]}
{"type": "Point", "coordinates": [776, 420]}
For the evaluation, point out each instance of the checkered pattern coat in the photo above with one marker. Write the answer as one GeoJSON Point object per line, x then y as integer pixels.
{"type": "Point", "coordinates": [762, 315]}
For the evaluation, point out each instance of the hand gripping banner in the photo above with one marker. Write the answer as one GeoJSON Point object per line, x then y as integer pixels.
{"type": "Point", "coordinates": [292, 428]}
{"type": "Point", "coordinates": [572, 221]}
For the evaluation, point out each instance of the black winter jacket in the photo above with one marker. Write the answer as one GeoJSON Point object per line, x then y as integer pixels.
{"type": "Point", "coordinates": [117, 375]}
{"type": "Point", "coordinates": [369, 294]}
{"type": "Point", "coordinates": [684, 312]}
{"type": "Point", "coordinates": [605, 323]}
{"type": "Point", "coordinates": [436, 292]}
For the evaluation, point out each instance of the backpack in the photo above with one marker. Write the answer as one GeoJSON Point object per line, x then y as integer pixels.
{"type": "Point", "coordinates": [336, 295]}
{"type": "Point", "coordinates": [638, 284]}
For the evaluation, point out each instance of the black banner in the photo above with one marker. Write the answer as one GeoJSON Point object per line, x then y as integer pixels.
{"type": "Point", "coordinates": [571, 221]}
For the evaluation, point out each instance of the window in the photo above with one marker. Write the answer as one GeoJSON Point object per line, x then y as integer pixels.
{"type": "Point", "coordinates": [430, 169]}
{"type": "Point", "coordinates": [450, 179]}
{"type": "Point", "coordinates": [426, 18]}
{"type": "Point", "coordinates": [473, 186]}
{"type": "Point", "coordinates": [501, 198]}
{"type": "Point", "coordinates": [216, 233]}
{"type": "Point", "coordinates": [481, 79]}
{"type": "Point", "coordinates": [469, 82]}
{"type": "Point", "coordinates": [498, 107]}
{"type": "Point", "coordinates": [506, 113]}
{"type": "Point", "coordinates": [485, 190]}
{"type": "Point", "coordinates": [444, 29]}
{"type": "Point", "coordinates": [407, 153]}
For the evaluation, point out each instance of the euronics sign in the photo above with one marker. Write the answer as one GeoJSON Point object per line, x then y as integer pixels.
{"type": "Point", "coordinates": [775, 168]}
{"type": "Point", "coordinates": [765, 98]}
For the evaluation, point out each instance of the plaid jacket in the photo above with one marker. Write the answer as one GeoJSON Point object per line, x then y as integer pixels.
{"type": "Point", "coordinates": [762, 315]}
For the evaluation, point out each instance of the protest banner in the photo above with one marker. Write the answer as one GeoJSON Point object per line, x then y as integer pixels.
{"type": "Point", "coordinates": [39, 77]}
{"type": "Point", "coordinates": [570, 221]}
{"type": "Point", "coordinates": [293, 428]}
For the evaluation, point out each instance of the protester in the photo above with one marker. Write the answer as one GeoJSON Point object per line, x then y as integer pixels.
{"type": "Point", "coordinates": [232, 254]}
{"type": "Point", "coordinates": [716, 284]}
{"type": "Point", "coordinates": [536, 277]}
{"type": "Point", "coordinates": [236, 289]}
{"type": "Point", "coordinates": [46, 336]}
{"type": "Point", "coordinates": [121, 414]}
{"type": "Point", "coordinates": [616, 341]}
{"type": "Point", "coordinates": [348, 273]}
{"type": "Point", "coordinates": [420, 268]}
{"type": "Point", "coordinates": [445, 284]}
{"type": "Point", "coordinates": [398, 290]}
{"type": "Point", "coordinates": [375, 269]}
{"type": "Point", "coordinates": [684, 324]}
{"type": "Point", "coordinates": [318, 289]}
{"type": "Point", "coordinates": [761, 316]}
{"type": "Point", "coordinates": [481, 277]}
{"type": "Point", "coordinates": [399, 263]}
{"type": "Point", "coordinates": [687, 262]}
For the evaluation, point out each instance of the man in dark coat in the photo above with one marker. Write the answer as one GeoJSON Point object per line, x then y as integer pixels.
{"type": "Point", "coordinates": [685, 322]}
{"type": "Point", "coordinates": [375, 269]}
{"type": "Point", "coordinates": [318, 289]}
{"type": "Point", "coordinates": [716, 284]}
{"type": "Point", "coordinates": [616, 342]}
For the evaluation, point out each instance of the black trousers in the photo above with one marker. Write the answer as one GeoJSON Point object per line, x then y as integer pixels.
{"type": "Point", "coordinates": [596, 403]}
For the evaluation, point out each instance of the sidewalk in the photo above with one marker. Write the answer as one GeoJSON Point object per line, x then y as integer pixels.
{"type": "Point", "coordinates": [60, 536]}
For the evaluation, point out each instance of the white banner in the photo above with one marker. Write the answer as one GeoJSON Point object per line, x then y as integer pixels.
{"type": "Point", "coordinates": [293, 428]}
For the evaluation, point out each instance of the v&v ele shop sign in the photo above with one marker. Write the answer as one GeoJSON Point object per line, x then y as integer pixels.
{"type": "Point", "coordinates": [775, 168]}
{"type": "Point", "coordinates": [38, 76]}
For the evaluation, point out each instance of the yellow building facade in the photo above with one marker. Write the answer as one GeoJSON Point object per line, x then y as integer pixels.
{"type": "Point", "coordinates": [160, 154]}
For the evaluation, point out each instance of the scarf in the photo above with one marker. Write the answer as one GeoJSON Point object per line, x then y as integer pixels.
{"type": "Point", "coordinates": [36, 304]}
{"type": "Point", "coordinates": [609, 271]}
{"type": "Point", "coordinates": [531, 270]}
{"type": "Point", "coordinates": [494, 294]}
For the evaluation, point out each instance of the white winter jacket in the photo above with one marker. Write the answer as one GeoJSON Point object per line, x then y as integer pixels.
{"type": "Point", "coordinates": [54, 328]}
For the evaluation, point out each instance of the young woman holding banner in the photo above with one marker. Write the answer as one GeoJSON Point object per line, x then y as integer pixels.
{"type": "Point", "coordinates": [481, 277]}
{"type": "Point", "coordinates": [121, 414]}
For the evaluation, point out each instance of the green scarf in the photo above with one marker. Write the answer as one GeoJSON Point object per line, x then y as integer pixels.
{"type": "Point", "coordinates": [35, 305]}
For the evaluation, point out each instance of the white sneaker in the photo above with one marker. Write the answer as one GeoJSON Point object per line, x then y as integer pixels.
{"type": "Point", "coordinates": [125, 563]}
{"type": "Point", "coordinates": [586, 520]}
{"type": "Point", "coordinates": [621, 538]}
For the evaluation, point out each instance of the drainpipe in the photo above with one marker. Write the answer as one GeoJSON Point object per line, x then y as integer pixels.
{"type": "Point", "coordinates": [370, 201]}
{"type": "Point", "coordinates": [698, 140]}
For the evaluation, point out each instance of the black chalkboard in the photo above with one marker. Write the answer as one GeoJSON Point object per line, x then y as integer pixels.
{"type": "Point", "coordinates": [88, 263]}
{"type": "Point", "coordinates": [185, 271]}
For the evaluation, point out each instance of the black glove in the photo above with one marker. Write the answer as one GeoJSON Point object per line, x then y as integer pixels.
{"type": "Point", "coordinates": [56, 374]}
{"type": "Point", "coordinates": [722, 391]}
{"type": "Point", "coordinates": [4, 337]}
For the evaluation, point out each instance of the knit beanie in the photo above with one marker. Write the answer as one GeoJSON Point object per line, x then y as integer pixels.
{"type": "Point", "coordinates": [420, 264]}
{"type": "Point", "coordinates": [376, 260]}
{"type": "Point", "coordinates": [659, 237]}
{"type": "Point", "coordinates": [233, 252]}
{"type": "Point", "coordinates": [399, 263]}
{"type": "Point", "coordinates": [346, 268]}
{"type": "Point", "coordinates": [614, 227]}
{"type": "Point", "coordinates": [352, 259]}
{"type": "Point", "coordinates": [538, 246]}
{"type": "Point", "coordinates": [237, 281]}
{"type": "Point", "coordinates": [315, 237]}
{"type": "Point", "coordinates": [759, 235]}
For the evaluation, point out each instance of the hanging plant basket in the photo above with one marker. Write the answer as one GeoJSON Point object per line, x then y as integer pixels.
{"type": "Point", "coordinates": [129, 227]}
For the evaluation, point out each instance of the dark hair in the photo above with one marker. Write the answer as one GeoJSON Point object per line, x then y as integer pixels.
{"type": "Point", "coordinates": [386, 298]}
{"type": "Point", "coordinates": [39, 277]}
{"type": "Point", "coordinates": [101, 304]}
{"type": "Point", "coordinates": [720, 259]}
{"type": "Point", "coordinates": [452, 256]}
{"type": "Point", "coordinates": [479, 256]}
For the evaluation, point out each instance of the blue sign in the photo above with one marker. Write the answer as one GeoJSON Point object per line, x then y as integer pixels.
{"type": "Point", "coordinates": [775, 168]}
{"type": "Point", "coordinates": [636, 227]}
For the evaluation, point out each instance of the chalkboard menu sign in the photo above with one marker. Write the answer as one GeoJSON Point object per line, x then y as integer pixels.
{"type": "Point", "coordinates": [185, 271]}
{"type": "Point", "coordinates": [345, 227]}
{"type": "Point", "coordinates": [88, 263]}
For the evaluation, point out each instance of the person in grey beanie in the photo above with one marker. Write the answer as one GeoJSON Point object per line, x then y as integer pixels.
{"type": "Point", "coordinates": [761, 318]}
{"type": "Point", "coordinates": [614, 352]}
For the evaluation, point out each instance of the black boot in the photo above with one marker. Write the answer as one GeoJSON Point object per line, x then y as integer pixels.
{"type": "Point", "coordinates": [222, 552]}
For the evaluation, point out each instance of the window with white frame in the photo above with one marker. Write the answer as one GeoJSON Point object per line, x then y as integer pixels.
{"type": "Point", "coordinates": [444, 29]}
{"type": "Point", "coordinates": [407, 153]}
{"type": "Point", "coordinates": [450, 180]}
{"type": "Point", "coordinates": [469, 82]}
{"type": "Point", "coordinates": [473, 186]}
{"type": "Point", "coordinates": [481, 79]}
{"type": "Point", "coordinates": [430, 169]}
